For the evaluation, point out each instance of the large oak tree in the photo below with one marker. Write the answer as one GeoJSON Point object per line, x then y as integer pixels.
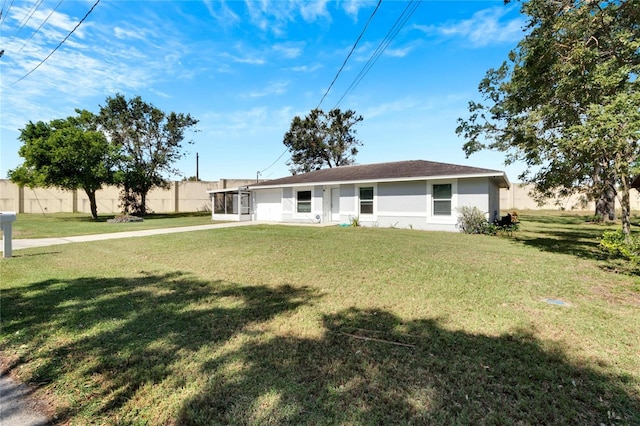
{"type": "Point", "coordinates": [322, 139]}
{"type": "Point", "coordinates": [149, 141]}
{"type": "Point", "coordinates": [566, 102]}
{"type": "Point", "coordinates": [66, 153]}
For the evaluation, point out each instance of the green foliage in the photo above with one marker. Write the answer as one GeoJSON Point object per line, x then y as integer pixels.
{"type": "Point", "coordinates": [566, 102]}
{"type": "Point", "coordinates": [354, 221]}
{"type": "Point", "coordinates": [69, 154]}
{"type": "Point", "coordinates": [471, 220]}
{"type": "Point", "coordinates": [617, 244]}
{"type": "Point", "coordinates": [149, 141]}
{"type": "Point", "coordinates": [322, 139]}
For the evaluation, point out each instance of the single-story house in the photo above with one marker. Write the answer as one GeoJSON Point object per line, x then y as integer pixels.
{"type": "Point", "coordinates": [405, 194]}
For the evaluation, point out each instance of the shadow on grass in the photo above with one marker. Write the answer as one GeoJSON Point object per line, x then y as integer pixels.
{"type": "Point", "coordinates": [103, 339]}
{"type": "Point", "coordinates": [148, 216]}
{"type": "Point", "coordinates": [372, 368]}
{"type": "Point", "coordinates": [572, 235]}
{"type": "Point", "coordinates": [118, 349]}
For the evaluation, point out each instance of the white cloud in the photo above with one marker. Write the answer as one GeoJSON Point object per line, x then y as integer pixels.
{"type": "Point", "coordinates": [274, 15]}
{"type": "Point", "coordinates": [485, 27]}
{"type": "Point", "coordinates": [352, 7]}
{"type": "Point", "coordinates": [289, 50]}
{"type": "Point", "coordinates": [223, 14]}
{"type": "Point", "coordinates": [399, 52]}
{"type": "Point", "coordinates": [273, 88]}
{"type": "Point", "coordinates": [312, 11]}
{"type": "Point", "coordinates": [306, 68]}
{"type": "Point", "coordinates": [248, 60]}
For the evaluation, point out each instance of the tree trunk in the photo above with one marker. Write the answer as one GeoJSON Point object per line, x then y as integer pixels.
{"type": "Point", "coordinates": [92, 202]}
{"type": "Point", "coordinates": [625, 203]}
{"type": "Point", "coordinates": [143, 203]}
{"type": "Point", "coordinates": [606, 204]}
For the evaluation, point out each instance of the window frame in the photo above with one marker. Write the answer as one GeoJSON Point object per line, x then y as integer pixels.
{"type": "Point", "coordinates": [434, 200]}
{"type": "Point", "coordinates": [371, 202]}
{"type": "Point", "coordinates": [308, 202]}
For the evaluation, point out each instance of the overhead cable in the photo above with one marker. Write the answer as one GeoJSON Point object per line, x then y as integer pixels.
{"type": "Point", "coordinates": [5, 12]}
{"type": "Point", "coordinates": [60, 44]}
{"type": "Point", "coordinates": [406, 14]}
{"type": "Point", "coordinates": [335, 78]}
{"type": "Point", "coordinates": [38, 29]}
{"type": "Point", "coordinates": [349, 55]}
{"type": "Point", "coordinates": [27, 17]}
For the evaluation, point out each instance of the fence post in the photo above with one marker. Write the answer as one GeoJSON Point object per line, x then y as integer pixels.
{"type": "Point", "coordinates": [176, 196]}
{"type": "Point", "coordinates": [20, 199]}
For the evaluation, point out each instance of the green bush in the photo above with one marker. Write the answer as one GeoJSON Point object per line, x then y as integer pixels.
{"type": "Point", "coordinates": [472, 221]}
{"type": "Point", "coordinates": [614, 243]}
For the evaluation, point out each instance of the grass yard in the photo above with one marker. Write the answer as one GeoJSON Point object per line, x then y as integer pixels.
{"type": "Point", "coordinates": [31, 225]}
{"type": "Point", "coordinates": [300, 325]}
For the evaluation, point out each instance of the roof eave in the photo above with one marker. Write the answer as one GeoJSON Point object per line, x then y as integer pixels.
{"type": "Point", "coordinates": [501, 176]}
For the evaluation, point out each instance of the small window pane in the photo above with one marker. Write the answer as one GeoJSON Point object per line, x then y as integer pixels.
{"type": "Point", "coordinates": [304, 196]}
{"type": "Point", "coordinates": [366, 193]}
{"type": "Point", "coordinates": [442, 192]}
{"type": "Point", "coordinates": [442, 208]}
{"type": "Point", "coordinates": [366, 207]}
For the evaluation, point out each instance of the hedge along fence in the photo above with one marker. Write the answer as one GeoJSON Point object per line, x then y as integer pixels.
{"type": "Point", "coordinates": [182, 196]}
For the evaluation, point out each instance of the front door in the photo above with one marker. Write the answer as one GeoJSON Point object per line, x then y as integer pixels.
{"type": "Point", "coordinates": [335, 204]}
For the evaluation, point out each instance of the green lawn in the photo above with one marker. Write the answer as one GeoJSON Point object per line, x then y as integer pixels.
{"type": "Point", "coordinates": [29, 225]}
{"type": "Point", "coordinates": [301, 325]}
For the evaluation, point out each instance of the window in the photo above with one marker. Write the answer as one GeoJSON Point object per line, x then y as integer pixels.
{"type": "Point", "coordinates": [366, 200]}
{"type": "Point", "coordinates": [304, 202]}
{"type": "Point", "coordinates": [442, 200]}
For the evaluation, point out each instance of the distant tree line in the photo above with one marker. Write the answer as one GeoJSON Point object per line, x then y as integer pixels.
{"type": "Point", "coordinates": [129, 143]}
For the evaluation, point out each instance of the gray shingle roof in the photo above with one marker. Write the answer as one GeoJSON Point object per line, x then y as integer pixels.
{"type": "Point", "coordinates": [376, 172]}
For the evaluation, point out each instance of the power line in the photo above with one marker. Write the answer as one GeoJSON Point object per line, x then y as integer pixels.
{"type": "Point", "coordinates": [58, 46]}
{"type": "Point", "coordinates": [5, 12]}
{"type": "Point", "coordinates": [28, 16]}
{"type": "Point", "coordinates": [406, 14]}
{"type": "Point", "coordinates": [351, 52]}
{"type": "Point", "coordinates": [43, 22]}
{"type": "Point", "coordinates": [274, 163]}
{"type": "Point", "coordinates": [334, 79]}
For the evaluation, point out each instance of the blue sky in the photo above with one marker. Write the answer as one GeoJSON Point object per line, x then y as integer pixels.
{"type": "Point", "coordinates": [244, 69]}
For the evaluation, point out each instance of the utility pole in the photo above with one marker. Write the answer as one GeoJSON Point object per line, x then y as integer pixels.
{"type": "Point", "coordinates": [197, 167]}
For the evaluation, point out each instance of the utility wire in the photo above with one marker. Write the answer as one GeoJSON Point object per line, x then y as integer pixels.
{"type": "Point", "coordinates": [27, 17]}
{"type": "Point", "coordinates": [5, 12]}
{"type": "Point", "coordinates": [274, 163]}
{"type": "Point", "coordinates": [406, 14]}
{"type": "Point", "coordinates": [334, 79]}
{"type": "Point", "coordinates": [350, 53]}
{"type": "Point", "coordinates": [65, 39]}
{"type": "Point", "coordinates": [43, 22]}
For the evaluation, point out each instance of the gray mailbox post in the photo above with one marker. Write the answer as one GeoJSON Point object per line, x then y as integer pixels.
{"type": "Point", "coordinates": [6, 223]}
